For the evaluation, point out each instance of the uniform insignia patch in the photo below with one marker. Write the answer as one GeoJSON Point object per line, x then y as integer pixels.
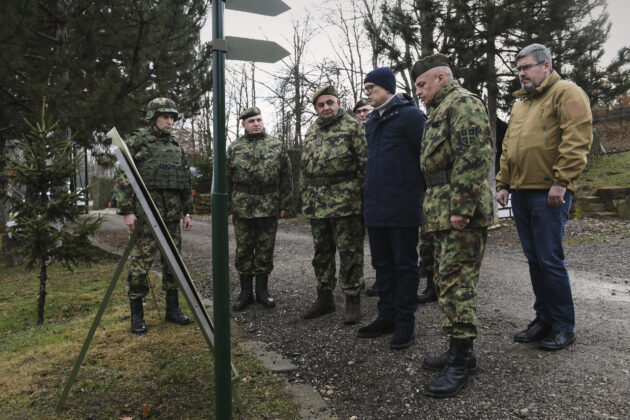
{"type": "Point", "coordinates": [468, 135]}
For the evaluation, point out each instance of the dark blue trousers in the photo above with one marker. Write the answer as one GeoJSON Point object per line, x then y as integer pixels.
{"type": "Point", "coordinates": [541, 229]}
{"type": "Point", "coordinates": [395, 258]}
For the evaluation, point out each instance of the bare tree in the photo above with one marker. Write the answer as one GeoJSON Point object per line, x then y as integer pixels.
{"type": "Point", "coordinates": [352, 48]}
{"type": "Point", "coordinates": [293, 85]}
{"type": "Point", "coordinates": [240, 94]}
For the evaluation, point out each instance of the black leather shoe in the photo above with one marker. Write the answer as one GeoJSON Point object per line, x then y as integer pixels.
{"type": "Point", "coordinates": [376, 329]}
{"type": "Point", "coordinates": [403, 337]}
{"type": "Point", "coordinates": [557, 340]}
{"type": "Point", "coordinates": [536, 330]}
{"type": "Point", "coordinates": [372, 291]}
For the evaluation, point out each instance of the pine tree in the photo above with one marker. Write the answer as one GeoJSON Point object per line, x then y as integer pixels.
{"type": "Point", "coordinates": [99, 64]}
{"type": "Point", "coordinates": [49, 226]}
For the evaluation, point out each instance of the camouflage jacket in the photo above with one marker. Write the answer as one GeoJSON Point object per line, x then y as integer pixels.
{"type": "Point", "coordinates": [259, 177]}
{"type": "Point", "coordinates": [457, 144]}
{"type": "Point", "coordinates": [149, 151]}
{"type": "Point", "coordinates": [333, 167]}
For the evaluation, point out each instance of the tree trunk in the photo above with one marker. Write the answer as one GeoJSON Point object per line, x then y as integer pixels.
{"type": "Point", "coordinates": [493, 92]}
{"type": "Point", "coordinates": [41, 300]}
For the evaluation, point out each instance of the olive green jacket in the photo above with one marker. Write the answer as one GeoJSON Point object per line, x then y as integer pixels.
{"type": "Point", "coordinates": [548, 137]}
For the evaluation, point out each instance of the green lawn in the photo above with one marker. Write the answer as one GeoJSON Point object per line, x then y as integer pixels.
{"type": "Point", "coordinates": [608, 171]}
{"type": "Point", "coordinates": [167, 373]}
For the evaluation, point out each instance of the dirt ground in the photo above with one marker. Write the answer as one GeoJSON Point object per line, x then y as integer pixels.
{"type": "Point", "coordinates": [364, 379]}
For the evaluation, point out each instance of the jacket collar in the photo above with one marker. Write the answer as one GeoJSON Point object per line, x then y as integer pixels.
{"type": "Point", "coordinates": [324, 123]}
{"type": "Point", "coordinates": [549, 81]}
{"type": "Point", "coordinates": [396, 101]}
{"type": "Point", "coordinates": [444, 92]}
{"type": "Point", "coordinates": [257, 136]}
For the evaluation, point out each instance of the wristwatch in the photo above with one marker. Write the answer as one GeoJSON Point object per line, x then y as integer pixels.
{"type": "Point", "coordinates": [188, 215]}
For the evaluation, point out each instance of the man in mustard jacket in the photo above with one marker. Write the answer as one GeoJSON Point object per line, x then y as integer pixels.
{"type": "Point", "coordinates": [544, 151]}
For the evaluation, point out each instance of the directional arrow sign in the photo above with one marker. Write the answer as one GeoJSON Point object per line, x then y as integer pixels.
{"type": "Point", "coordinates": [247, 49]}
{"type": "Point", "coordinates": [259, 7]}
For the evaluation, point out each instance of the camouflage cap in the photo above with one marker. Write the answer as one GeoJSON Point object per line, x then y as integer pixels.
{"type": "Point", "coordinates": [328, 90]}
{"type": "Point", "coordinates": [160, 105]}
{"type": "Point", "coordinates": [249, 112]}
{"type": "Point", "coordinates": [428, 62]}
{"type": "Point", "coordinates": [360, 104]}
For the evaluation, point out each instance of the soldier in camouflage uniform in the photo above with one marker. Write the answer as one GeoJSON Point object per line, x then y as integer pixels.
{"type": "Point", "coordinates": [361, 110]}
{"type": "Point", "coordinates": [455, 159]}
{"type": "Point", "coordinates": [260, 187]}
{"type": "Point", "coordinates": [333, 167]}
{"type": "Point", "coordinates": [165, 171]}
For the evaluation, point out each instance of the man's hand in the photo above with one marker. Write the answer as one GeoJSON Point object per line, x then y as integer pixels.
{"type": "Point", "coordinates": [459, 222]}
{"type": "Point", "coordinates": [187, 222]}
{"type": "Point", "coordinates": [130, 221]}
{"type": "Point", "coordinates": [283, 214]}
{"type": "Point", "coordinates": [502, 197]}
{"type": "Point", "coordinates": [556, 195]}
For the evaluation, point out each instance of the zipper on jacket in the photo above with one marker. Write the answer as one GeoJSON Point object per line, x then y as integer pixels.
{"type": "Point", "coordinates": [518, 145]}
{"type": "Point", "coordinates": [542, 121]}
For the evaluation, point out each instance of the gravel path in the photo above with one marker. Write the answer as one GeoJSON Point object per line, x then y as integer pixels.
{"type": "Point", "coordinates": [364, 379]}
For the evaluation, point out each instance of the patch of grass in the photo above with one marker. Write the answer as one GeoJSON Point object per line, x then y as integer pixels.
{"type": "Point", "coordinates": [608, 170]}
{"type": "Point", "coordinates": [167, 373]}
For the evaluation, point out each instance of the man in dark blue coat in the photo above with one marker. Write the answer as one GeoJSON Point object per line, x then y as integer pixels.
{"type": "Point", "coordinates": [394, 190]}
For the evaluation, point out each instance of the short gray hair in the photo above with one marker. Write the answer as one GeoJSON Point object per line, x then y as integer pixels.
{"type": "Point", "coordinates": [539, 53]}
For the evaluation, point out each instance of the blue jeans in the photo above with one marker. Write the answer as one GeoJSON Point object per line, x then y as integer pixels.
{"type": "Point", "coordinates": [541, 229]}
{"type": "Point", "coordinates": [395, 259]}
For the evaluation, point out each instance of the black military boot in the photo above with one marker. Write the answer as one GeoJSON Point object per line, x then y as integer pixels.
{"type": "Point", "coordinates": [454, 376]}
{"type": "Point", "coordinates": [262, 293]}
{"type": "Point", "coordinates": [173, 314]}
{"type": "Point", "coordinates": [353, 310]}
{"type": "Point", "coordinates": [324, 304]}
{"type": "Point", "coordinates": [438, 363]}
{"type": "Point", "coordinates": [429, 294]}
{"type": "Point", "coordinates": [246, 297]}
{"type": "Point", "coordinates": [137, 316]}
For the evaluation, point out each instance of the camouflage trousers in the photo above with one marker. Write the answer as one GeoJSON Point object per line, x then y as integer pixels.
{"type": "Point", "coordinates": [343, 234]}
{"type": "Point", "coordinates": [142, 255]}
{"type": "Point", "coordinates": [255, 241]}
{"type": "Point", "coordinates": [427, 250]}
{"type": "Point", "coordinates": [458, 254]}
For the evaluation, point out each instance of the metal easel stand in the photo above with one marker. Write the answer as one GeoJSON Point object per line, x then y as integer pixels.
{"type": "Point", "coordinates": [96, 322]}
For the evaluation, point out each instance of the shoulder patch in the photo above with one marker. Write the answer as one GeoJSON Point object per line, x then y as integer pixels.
{"type": "Point", "coordinates": [574, 109]}
{"type": "Point", "coordinates": [468, 135]}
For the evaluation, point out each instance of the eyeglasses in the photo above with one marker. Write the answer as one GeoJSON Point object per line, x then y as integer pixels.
{"type": "Point", "coordinates": [528, 66]}
{"type": "Point", "coordinates": [368, 89]}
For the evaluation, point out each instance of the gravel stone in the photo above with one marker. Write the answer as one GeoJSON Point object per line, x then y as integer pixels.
{"type": "Point", "coordinates": [364, 379]}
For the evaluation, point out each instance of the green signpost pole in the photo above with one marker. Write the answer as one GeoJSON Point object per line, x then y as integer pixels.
{"type": "Point", "coordinates": [220, 255]}
{"type": "Point", "coordinates": [232, 48]}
